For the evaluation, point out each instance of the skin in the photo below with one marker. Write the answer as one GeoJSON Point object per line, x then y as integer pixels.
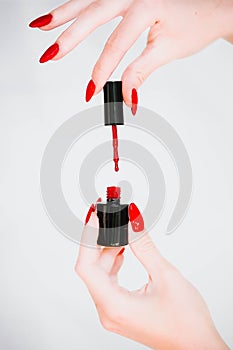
{"type": "Point", "coordinates": [168, 313]}
{"type": "Point", "coordinates": [177, 28]}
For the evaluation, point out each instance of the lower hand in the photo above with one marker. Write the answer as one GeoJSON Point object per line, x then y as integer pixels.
{"type": "Point", "coordinates": [166, 313]}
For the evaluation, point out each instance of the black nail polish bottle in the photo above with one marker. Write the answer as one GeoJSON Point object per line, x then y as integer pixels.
{"type": "Point", "coordinates": [113, 220]}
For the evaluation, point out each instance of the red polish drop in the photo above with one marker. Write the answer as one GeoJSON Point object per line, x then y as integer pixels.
{"type": "Point", "coordinates": [115, 147]}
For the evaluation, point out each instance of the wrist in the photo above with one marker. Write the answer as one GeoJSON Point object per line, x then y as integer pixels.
{"type": "Point", "coordinates": [212, 341]}
{"type": "Point", "coordinates": [208, 339]}
{"type": "Point", "coordinates": [218, 343]}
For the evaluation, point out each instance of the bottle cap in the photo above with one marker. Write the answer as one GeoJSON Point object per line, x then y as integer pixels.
{"type": "Point", "coordinates": [113, 103]}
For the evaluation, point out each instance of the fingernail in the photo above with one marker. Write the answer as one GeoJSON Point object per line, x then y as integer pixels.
{"type": "Point", "coordinates": [136, 218]}
{"type": "Point", "coordinates": [41, 21]}
{"type": "Point", "coordinates": [90, 211]}
{"type": "Point", "coordinates": [90, 90]}
{"type": "Point", "coordinates": [121, 251]}
{"type": "Point", "coordinates": [134, 99]}
{"type": "Point", "coordinates": [49, 53]}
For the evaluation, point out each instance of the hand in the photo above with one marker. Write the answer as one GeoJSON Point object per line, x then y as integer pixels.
{"type": "Point", "coordinates": [177, 29]}
{"type": "Point", "coordinates": [166, 313]}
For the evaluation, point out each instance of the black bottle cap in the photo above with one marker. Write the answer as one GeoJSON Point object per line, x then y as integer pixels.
{"type": "Point", "coordinates": [113, 103]}
{"type": "Point", "coordinates": [113, 91]}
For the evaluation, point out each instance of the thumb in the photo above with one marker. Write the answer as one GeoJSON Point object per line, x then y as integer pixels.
{"type": "Point", "coordinates": [147, 253]}
{"type": "Point", "coordinates": [143, 247]}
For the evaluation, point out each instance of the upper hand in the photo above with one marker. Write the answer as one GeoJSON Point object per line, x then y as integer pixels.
{"type": "Point", "coordinates": [176, 29]}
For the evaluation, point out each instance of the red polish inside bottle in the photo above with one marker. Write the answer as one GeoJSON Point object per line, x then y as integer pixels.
{"type": "Point", "coordinates": [113, 192]}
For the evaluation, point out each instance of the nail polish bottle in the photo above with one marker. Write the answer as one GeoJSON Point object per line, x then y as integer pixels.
{"type": "Point", "coordinates": [113, 220]}
{"type": "Point", "coordinates": [113, 103]}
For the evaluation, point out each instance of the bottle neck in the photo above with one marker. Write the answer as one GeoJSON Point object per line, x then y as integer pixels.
{"type": "Point", "coordinates": [113, 200]}
{"type": "Point", "coordinates": [113, 193]}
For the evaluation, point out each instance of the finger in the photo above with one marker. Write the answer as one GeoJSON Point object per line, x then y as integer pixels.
{"type": "Point", "coordinates": [67, 12]}
{"type": "Point", "coordinates": [89, 251]}
{"type": "Point", "coordinates": [101, 287]}
{"type": "Point", "coordinates": [90, 267]}
{"type": "Point", "coordinates": [64, 13]}
{"type": "Point", "coordinates": [146, 252]}
{"type": "Point", "coordinates": [118, 262]}
{"type": "Point", "coordinates": [124, 36]}
{"type": "Point", "coordinates": [90, 232]}
{"type": "Point", "coordinates": [91, 17]}
{"type": "Point", "coordinates": [138, 71]}
{"type": "Point", "coordinates": [108, 256]}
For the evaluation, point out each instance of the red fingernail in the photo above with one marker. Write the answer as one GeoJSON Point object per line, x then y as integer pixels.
{"type": "Point", "coordinates": [134, 99]}
{"type": "Point", "coordinates": [90, 211]}
{"type": "Point", "coordinates": [90, 90]}
{"type": "Point", "coordinates": [49, 53]}
{"type": "Point", "coordinates": [136, 218]}
{"type": "Point", "coordinates": [41, 21]}
{"type": "Point", "coordinates": [121, 251]}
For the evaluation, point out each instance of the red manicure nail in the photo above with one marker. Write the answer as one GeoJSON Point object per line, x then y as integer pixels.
{"type": "Point", "coordinates": [136, 218]}
{"type": "Point", "coordinates": [134, 99]}
{"type": "Point", "coordinates": [41, 21]}
{"type": "Point", "coordinates": [121, 251]}
{"type": "Point", "coordinates": [90, 211]}
{"type": "Point", "coordinates": [49, 53]}
{"type": "Point", "coordinates": [90, 90]}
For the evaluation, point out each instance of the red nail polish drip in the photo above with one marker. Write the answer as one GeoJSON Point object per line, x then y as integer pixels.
{"type": "Point", "coordinates": [115, 147]}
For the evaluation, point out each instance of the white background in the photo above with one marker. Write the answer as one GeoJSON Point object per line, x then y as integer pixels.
{"type": "Point", "coordinates": [43, 304]}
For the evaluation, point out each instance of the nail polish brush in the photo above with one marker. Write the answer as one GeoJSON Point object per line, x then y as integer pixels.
{"type": "Point", "coordinates": [113, 113]}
